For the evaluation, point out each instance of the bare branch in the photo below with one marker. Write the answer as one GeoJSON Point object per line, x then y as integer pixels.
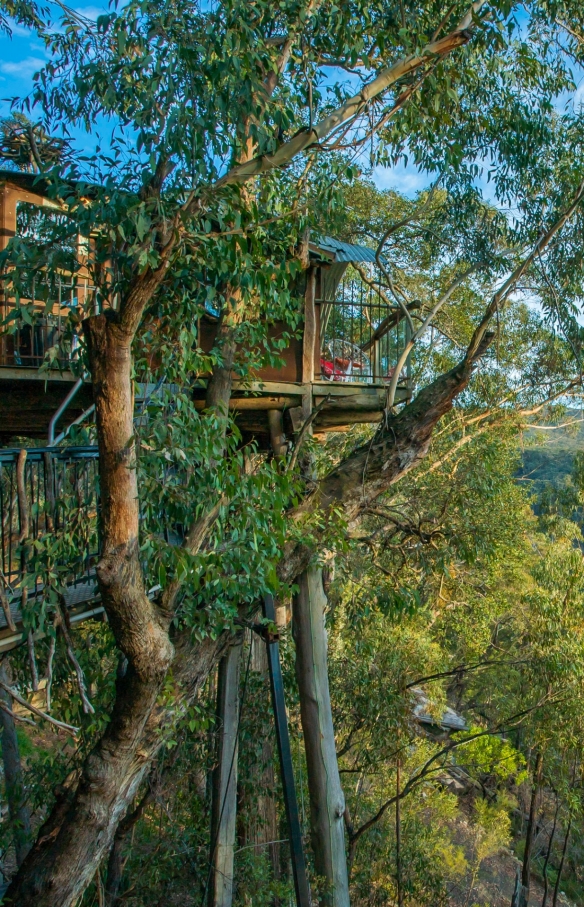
{"type": "Point", "coordinates": [32, 708]}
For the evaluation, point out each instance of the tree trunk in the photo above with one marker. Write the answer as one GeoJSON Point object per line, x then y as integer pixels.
{"type": "Point", "coordinates": [327, 801]}
{"type": "Point", "coordinates": [398, 854]}
{"type": "Point", "coordinates": [79, 833]}
{"type": "Point", "coordinates": [549, 853]}
{"type": "Point", "coordinates": [224, 798]}
{"type": "Point", "coordinates": [221, 380]}
{"type": "Point", "coordinates": [562, 861]}
{"type": "Point", "coordinates": [13, 776]}
{"type": "Point", "coordinates": [521, 893]}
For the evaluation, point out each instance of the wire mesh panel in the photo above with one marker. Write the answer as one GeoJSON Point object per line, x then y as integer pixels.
{"type": "Point", "coordinates": [49, 518]}
{"type": "Point", "coordinates": [362, 333]}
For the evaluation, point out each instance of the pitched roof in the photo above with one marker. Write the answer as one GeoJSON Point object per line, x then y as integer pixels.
{"type": "Point", "coordinates": [344, 251]}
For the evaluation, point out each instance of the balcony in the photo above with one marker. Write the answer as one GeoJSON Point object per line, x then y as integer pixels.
{"type": "Point", "coordinates": [362, 334]}
{"type": "Point", "coordinates": [31, 345]}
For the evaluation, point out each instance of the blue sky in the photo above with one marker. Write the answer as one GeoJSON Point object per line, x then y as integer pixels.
{"type": "Point", "coordinates": [22, 54]}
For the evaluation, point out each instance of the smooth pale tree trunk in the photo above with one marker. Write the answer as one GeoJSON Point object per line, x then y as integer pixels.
{"type": "Point", "coordinates": [549, 853]}
{"type": "Point", "coordinates": [327, 800]}
{"type": "Point", "coordinates": [521, 893]}
{"type": "Point", "coordinates": [258, 808]}
{"type": "Point", "coordinates": [13, 776]}
{"type": "Point", "coordinates": [224, 797]}
{"type": "Point", "coordinates": [562, 861]}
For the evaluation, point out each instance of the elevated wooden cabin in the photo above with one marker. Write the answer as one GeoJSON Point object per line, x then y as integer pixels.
{"type": "Point", "coordinates": [29, 398]}
{"type": "Point", "coordinates": [341, 361]}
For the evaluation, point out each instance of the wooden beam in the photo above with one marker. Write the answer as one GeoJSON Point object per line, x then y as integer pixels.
{"type": "Point", "coordinates": [309, 337]}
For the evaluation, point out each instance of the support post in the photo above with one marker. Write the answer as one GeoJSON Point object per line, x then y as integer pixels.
{"type": "Point", "coordinates": [277, 688]}
{"type": "Point", "coordinates": [277, 436]}
{"type": "Point", "coordinates": [224, 796]}
{"type": "Point", "coordinates": [327, 800]}
{"type": "Point", "coordinates": [309, 337]}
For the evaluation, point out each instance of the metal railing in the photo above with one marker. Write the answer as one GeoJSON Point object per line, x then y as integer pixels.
{"type": "Point", "coordinates": [362, 335]}
{"type": "Point", "coordinates": [27, 346]}
{"type": "Point", "coordinates": [48, 504]}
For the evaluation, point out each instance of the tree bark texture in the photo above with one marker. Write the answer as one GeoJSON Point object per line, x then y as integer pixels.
{"type": "Point", "coordinates": [327, 800]}
{"type": "Point", "coordinates": [18, 810]}
{"type": "Point", "coordinates": [224, 792]}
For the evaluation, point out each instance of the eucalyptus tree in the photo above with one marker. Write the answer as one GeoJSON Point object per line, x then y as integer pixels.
{"type": "Point", "coordinates": [232, 127]}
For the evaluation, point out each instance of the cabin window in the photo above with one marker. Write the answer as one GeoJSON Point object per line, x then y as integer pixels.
{"type": "Point", "coordinates": [47, 226]}
{"type": "Point", "coordinates": [57, 281]}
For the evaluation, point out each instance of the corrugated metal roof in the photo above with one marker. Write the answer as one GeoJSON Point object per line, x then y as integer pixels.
{"type": "Point", "coordinates": [344, 251]}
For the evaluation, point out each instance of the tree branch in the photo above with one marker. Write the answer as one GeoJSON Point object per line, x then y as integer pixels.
{"type": "Point", "coordinates": [352, 107]}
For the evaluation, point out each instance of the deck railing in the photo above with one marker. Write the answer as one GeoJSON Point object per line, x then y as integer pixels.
{"type": "Point", "coordinates": [28, 345]}
{"type": "Point", "coordinates": [362, 333]}
{"type": "Point", "coordinates": [48, 505]}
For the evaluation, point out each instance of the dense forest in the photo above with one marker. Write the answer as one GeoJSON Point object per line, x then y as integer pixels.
{"type": "Point", "coordinates": [411, 570]}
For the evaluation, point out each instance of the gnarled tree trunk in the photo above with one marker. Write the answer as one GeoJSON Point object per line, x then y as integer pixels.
{"type": "Point", "coordinates": [79, 833]}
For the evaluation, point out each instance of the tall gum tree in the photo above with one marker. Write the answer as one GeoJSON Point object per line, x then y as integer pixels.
{"type": "Point", "coordinates": [169, 218]}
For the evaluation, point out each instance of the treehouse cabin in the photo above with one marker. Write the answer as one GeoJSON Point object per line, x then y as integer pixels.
{"type": "Point", "coordinates": [343, 359]}
{"type": "Point", "coordinates": [29, 398]}
{"type": "Point", "coordinates": [336, 368]}
{"type": "Point", "coordinates": [340, 360]}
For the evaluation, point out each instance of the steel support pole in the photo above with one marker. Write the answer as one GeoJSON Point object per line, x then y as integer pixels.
{"type": "Point", "coordinates": [302, 889]}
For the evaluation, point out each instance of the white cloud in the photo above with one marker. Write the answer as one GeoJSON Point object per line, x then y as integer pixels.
{"type": "Point", "coordinates": [23, 68]}
{"type": "Point", "coordinates": [407, 180]}
{"type": "Point", "coordinates": [18, 31]}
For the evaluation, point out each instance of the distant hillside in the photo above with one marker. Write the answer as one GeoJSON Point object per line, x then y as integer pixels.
{"type": "Point", "coordinates": [548, 456]}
